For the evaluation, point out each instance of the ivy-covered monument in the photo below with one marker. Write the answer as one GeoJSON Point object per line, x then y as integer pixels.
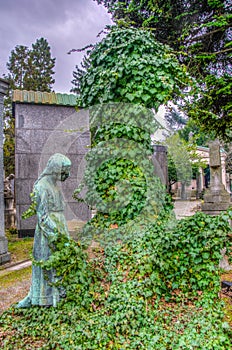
{"type": "Point", "coordinates": [47, 123]}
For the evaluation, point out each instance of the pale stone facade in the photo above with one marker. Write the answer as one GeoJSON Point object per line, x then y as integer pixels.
{"type": "Point", "coordinates": [42, 129]}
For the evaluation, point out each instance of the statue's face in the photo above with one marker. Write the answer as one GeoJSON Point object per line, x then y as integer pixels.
{"type": "Point", "coordinates": [65, 172]}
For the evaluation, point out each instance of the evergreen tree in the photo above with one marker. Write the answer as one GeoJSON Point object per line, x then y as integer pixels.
{"type": "Point", "coordinates": [79, 72]}
{"type": "Point", "coordinates": [18, 67]}
{"type": "Point", "coordinates": [42, 66]}
{"type": "Point", "coordinates": [175, 119]}
{"type": "Point", "coordinates": [29, 69]}
{"type": "Point", "coordinates": [76, 76]}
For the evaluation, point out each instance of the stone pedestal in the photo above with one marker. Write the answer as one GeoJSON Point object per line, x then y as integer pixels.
{"type": "Point", "coordinates": [4, 255]}
{"type": "Point", "coordinates": [216, 201]}
{"type": "Point", "coordinates": [9, 212]}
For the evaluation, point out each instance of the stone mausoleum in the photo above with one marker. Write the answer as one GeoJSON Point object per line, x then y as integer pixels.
{"type": "Point", "coordinates": [48, 123]}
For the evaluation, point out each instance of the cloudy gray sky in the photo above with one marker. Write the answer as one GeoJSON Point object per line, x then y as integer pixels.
{"type": "Point", "coordinates": [66, 24]}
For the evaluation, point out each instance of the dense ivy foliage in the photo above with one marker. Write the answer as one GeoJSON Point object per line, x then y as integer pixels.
{"type": "Point", "coordinates": [127, 71]}
{"type": "Point", "coordinates": [130, 66]}
{"type": "Point", "coordinates": [156, 290]}
{"type": "Point", "coordinates": [119, 75]}
{"type": "Point", "coordinates": [119, 174]}
{"type": "Point", "coordinates": [141, 279]}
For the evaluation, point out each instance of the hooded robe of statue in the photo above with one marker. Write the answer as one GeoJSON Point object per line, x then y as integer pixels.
{"type": "Point", "coordinates": [50, 221]}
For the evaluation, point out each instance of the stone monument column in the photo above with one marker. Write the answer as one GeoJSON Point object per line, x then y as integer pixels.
{"type": "Point", "coordinates": [216, 198]}
{"type": "Point", "coordinates": [4, 255]}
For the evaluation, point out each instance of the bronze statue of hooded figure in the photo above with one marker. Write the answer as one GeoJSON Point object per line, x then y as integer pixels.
{"type": "Point", "coordinates": [50, 221]}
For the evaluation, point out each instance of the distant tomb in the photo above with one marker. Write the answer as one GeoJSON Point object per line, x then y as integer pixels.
{"type": "Point", "coordinates": [9, 201]}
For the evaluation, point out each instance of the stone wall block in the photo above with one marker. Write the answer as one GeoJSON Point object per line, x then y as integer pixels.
{"type": "Point", "coordinates": [23, 188]}
{"type": "Point", "coordinates": [30, 116]}
{"type": "Point", "coordinates": [3, 245]}
{"type": "Point", "coordinates": [27, 166]}
{"type": "Point", "coordinates": [81, 211]}
{"type": "Point", "coordinates": [25, 223]}
{"type": "Point", "coordinates": [23, 141]}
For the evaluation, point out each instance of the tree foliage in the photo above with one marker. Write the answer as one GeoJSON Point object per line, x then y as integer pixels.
{"type": "Point", "coordinates": [79, 72]}
{"type": "Point", "coordinates": [192, 132]}
{"type": "Point", "coordinates": [183, 161]}
{"type": "Point", "coordinates": [213, 109]}
{"type": "Point", "coordinates": [180, 155]}
{"type": "Point", "coordinates": [175, 119]}
{"type": "Point", "coordinates": [18, 67]}
{"type": "Point", "coordinates": [9, 147]}
{"type": "Point", "coordinates": [29, 69]}
{"type": "Point", "coordinates": [200, 33]}
{"type": "Point", "coordinates": [229, 163]}
{"type": "Point", "coordinates": [194, 28]}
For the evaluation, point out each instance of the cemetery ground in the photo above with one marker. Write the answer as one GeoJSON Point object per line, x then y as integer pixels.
{"type": "Point", "coordinates": [176, 325]}
{"type": "Point", "coordinates": [15, 276]}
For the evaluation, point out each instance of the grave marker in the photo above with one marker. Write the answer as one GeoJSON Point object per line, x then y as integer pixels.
{"type": "Point", "coordinates": [4, 255]}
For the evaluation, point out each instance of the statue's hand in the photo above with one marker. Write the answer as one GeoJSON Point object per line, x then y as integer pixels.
{"type": "Point", "coordinates": [52, 237]}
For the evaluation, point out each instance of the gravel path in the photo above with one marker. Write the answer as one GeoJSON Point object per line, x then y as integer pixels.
{"type": "Point", "coordinates": [13, 294]}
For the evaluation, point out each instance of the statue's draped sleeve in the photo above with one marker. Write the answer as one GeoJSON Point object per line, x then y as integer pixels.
{"type": "Point", "coordinates": [45, 219]}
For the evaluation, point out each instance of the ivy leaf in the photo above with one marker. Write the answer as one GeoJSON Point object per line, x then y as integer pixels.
{"type": "Point", "coordinates": [130, 97]}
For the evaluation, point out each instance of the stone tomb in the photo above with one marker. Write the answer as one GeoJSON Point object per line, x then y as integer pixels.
{"type": "Point", "coordinates": [48, 123]}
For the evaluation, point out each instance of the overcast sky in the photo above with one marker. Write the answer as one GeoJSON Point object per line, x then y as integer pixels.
{"type": "Point", "coordinates": [66, 24]}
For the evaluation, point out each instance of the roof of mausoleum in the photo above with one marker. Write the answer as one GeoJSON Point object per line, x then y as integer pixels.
{"type": "Point", "coordinates": [206, 149]}
{"type": "Point", "coordinates": [48, 98]}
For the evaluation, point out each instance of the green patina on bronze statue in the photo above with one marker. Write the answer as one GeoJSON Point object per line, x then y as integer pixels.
{"type": "Point", "coordinates": [49, 206]}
